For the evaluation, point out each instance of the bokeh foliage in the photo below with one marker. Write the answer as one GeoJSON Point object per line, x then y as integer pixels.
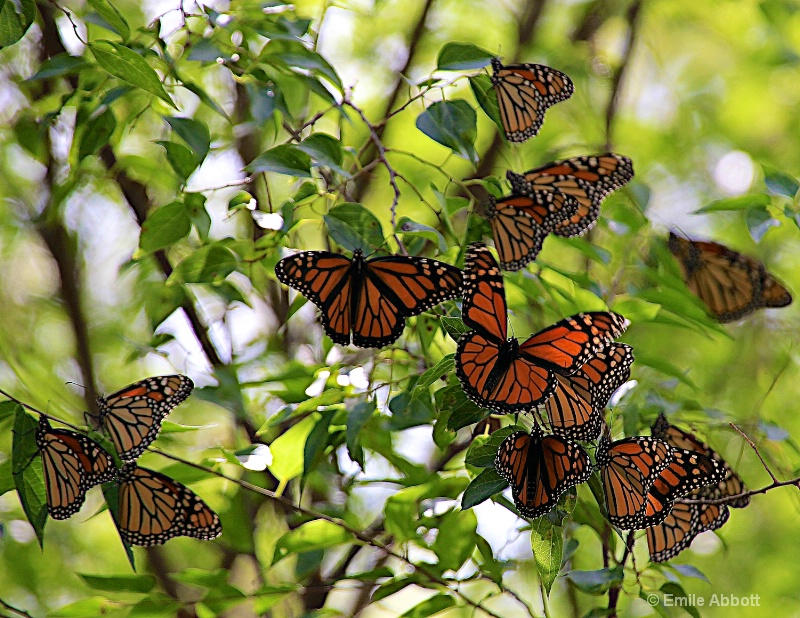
{"type": "Point", "coordinates": [128, 248]}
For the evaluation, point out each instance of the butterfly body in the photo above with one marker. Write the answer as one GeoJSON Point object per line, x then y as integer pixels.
{"type": "Point", "coordinates": [524, 92]}
{"type": "Point", "coordinates": [540, 468]}
{"type": "Point", "coordinates": [365, 302]}
{"type": "Point", "coordinates": [72, 463]}
{"type": "Point", "coordinates": [154, 508]}
{"type": "Point", "coordinates": [132, 416]}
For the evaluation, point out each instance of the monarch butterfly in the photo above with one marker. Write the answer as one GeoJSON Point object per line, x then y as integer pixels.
{"type": "Point", "coordinates": [576, 408]}
{"type": "Point", "coordinates": [73, 464]}
{"type": "Point", "coordinates": [520, 224]}
{"type": "Point", "coordinates": [683, 523]}
{"type": "Point", "coordinates": [584, 181]}
{"type": "Point", "coordinates": [132, 416]}
{"type": "Point", "coordinates": [729, 485]}
{"type": "Point", "coordinates": [503, 375]}
{"type": "Point", "coordinates": [686, 472]}
{"type": "Point", "coordinates": [540, 468]}
{"type": "Point", "coordinates": [730, 284]}
{"type": "Point", "coordinates": [368, 299]}
{"type": "Point", "coordinates": [154, 508]}
{"type": "Point", "coordinates": [524, 92]}
{"type": "Point", "coordinates": [628, 468]}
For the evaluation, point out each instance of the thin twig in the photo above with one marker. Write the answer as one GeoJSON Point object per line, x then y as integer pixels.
{"type": "Point", "coordinates": [11, 608]}
{"type": "Point", "coordinates": [755, 448]}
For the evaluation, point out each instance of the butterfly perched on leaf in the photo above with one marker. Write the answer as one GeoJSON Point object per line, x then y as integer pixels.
{"type": "Point", "coordinates": [688, 519]}
{"type": "Point", "coordinates": [576, 408]}
{"type": "Point", "coordinates": [154, 508]}
{"type": "Point", "coordinates": [73, 464]}
{"type": "Point", "coordinates": [540, 468]}
{"type": "Point", "coordinates": [628, 468]}
{"type": "Point", "coordinates": [730, 284]}
{"type": "Point", "coordinates": [524, 92]}
{"type": "Point", "coordinates": [502, 374]}
{"type": "Point", "coordinates": [582, 183]}
{"type": "Point", "coordinates": [132, 416]}
{"type": "Point", "coordinates": [366, 302]}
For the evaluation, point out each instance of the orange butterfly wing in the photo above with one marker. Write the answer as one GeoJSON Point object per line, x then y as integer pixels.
{"type": "Point", "coordinates": [524, 92]}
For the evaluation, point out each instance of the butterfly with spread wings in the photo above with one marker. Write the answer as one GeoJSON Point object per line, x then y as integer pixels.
{"type": "Point", "coordinates": [73, 464]}
{"type": "Point", "coordinates": [132, 416]}
{"type": "Point", "coordinates": [524, 92]}
{"type": "Point", "coordinates": [154, 508]}
{"type": "Point", "coordinates": [730, 284]}
{"type": "Point", "coordinates": [628, 468]}
{"type": "Point", "coordinates": [507, 376]}
{"type": "Point", "coordinates": [366, 302]}
{"type": "Point", "coordinates": [576, 408]}
{"type": "Point", "coordinates": [582, 182]}
{"type": "Point", "coordinates": [540, 468]}
{"type": "Point", "coordinates": [688, 519]}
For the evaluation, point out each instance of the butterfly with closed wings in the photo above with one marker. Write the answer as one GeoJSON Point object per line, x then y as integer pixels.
{"type": "Point", "coordinates": [730, 284]}
{"type": "Point", "coordinates": [366, 302]}
{"type": "Point", "coordinates": [154, 508]}
{"type": "Point", "coordinates": [540, 468]}
{"type": "Point", "coordinates": [524, 92]}
{"type": "Point", "coordinates": [132, 416]}
{"type": "Point", "coordinates": [507, 376]}
{"type": "Point", "coordinates": [582, 182]}
{"type": "Point", "coordinates": [73, 464]}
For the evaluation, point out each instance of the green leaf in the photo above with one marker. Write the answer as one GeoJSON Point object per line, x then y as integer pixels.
{"type": "Point", "coordinates": [481, 453]}
{"type": "Point", "coordinates": [460, 56]}
{"type": "Point", "coordinates": [635, 309]}
{"type": "Point", "coordinates": [429, 378]}
{"type": "Point", "coordinates": [759, 222]}
{"type": "Point", "coordinates": [316, 442]}
{"type": "Point", "coordinates": [311, 61]}
{"type": "Point", "coordinates": [7, 410]}
{"type": "Point", "coordinates": [14, 24]}
{"type": "Point", "coordinates": [454, 327]}
{"type": "Point", "coordinates": [417, 230]}
{"type": "Point", "coordinates": [452, 124]}
{"type": "Point", "coordinates": [353, 227]}
{"type": "Point", "coordinates": [482, 487]}
{"type": "Point", "coordinates": [194, 133]}
{"type": "Point", "coordinates": [58, 65]}
{"type": "Point", "coordinates": [596, 582]}
{"type": "Point", "coordinates": [486, 96]}
{"type": "Point", "coordinates": [195, 204]}
{"type": "Point", "coordinates": [180, 158]}
{"type": "Point", "coordinates": [154, 606]}
{"type": "Point", "coordinates": [743, 202]}
{"type": "Point", "coordinates": [111, 494]}
{"type": "Point", "coordinates": [312, 535]}
{"type": "Point", "coordinates": [664, 366]}
{"type": "Point", "coordinates": [689, 570]}
{"type": "Point", "coordinates": [463, 411]}
{"type": "Point", "coordinates": [547, 543]}
{"type": "Point", "coordinates": [429, 607]}
{"type": "Point", "coordinates": [6, 477]}
{"type": "Point", "coordinates": [287, 450]}
{"type": "Point", "coordinates": [357, 417]}
{"type": "Point", "coordinates": [283, 159]}
{"type": "Point", "coordinates": [455, 540]}
{"type": "Point", "coordinates": [85, 608]}
{"type": "Point", "coordinates": [165, 226]}
{"type": "Point", "coordinates": [209, 264]}
{"type": "Point", "coordinates": [119, 583]}
{"type": "Point", "coordinates": [324, 150]}
{"type": "Point", "coordinates": [129, 66]}
{"type": "Point", "coordinates": [112, 17]}
{"type": "Point", "coordinates": [780, 183]}
{"type": "Point", "coordinates": [27, 471]}
{"type": "Point", "coordinates": [679, 598]}
{"type": "Point", "coordinates": [410, 411]}
{"type": "Point", "coordinates": [96, 133]}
